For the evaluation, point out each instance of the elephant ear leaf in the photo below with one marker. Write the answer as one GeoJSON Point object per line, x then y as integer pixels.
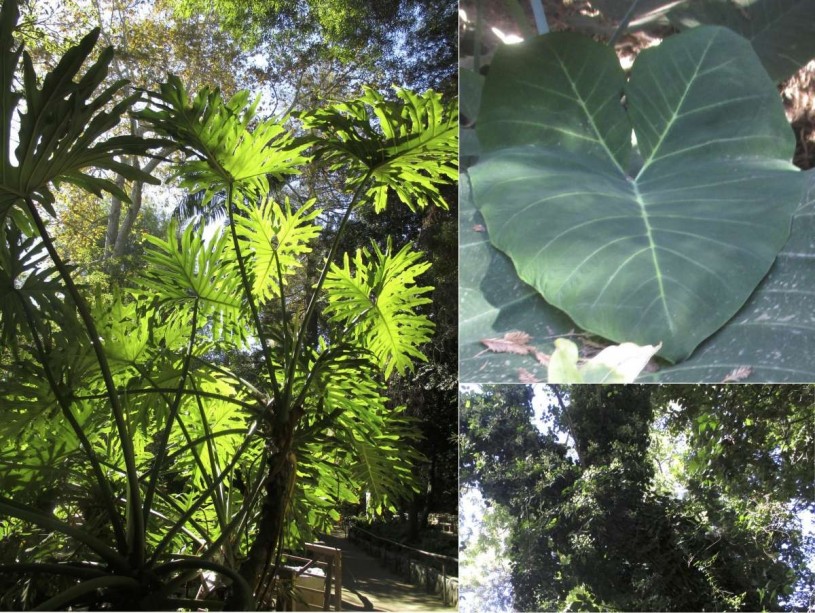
{"type": "Point", "coordinates": [658, 242]}
{"type": "Point", "coordinates": [61, 125]}
{"type": "Point", "coordinates": [782, 32]}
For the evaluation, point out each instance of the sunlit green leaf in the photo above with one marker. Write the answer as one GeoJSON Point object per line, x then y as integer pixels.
{"type": "Point", "coordinates": [378, 295]}
{"type": "Point", "coordinates": [218, 134]}
{"type": "Point", "coordinates": [409, 146]}
{"type": "Point", "coordinates": [276, 239]}
{"type": "Point", "coordinates": [188, 270]}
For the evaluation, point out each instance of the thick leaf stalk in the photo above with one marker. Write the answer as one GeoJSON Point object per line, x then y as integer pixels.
{"type": "Point", "coordinates": [278, 489]}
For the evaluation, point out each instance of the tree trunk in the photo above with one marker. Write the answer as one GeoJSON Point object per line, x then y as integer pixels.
{"type": "Point", "coordinates": [429, 498]}
{"type": "Point", "coordinates": [116, 236]}
{"type": "Point", "coordinates": [129, 220]}
{"type": "Point", "coordinates": [112, 230]}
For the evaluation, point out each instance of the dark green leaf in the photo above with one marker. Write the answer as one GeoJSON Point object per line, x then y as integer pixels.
{"type": "Point", "coordinates": [782, 32]}
{"type": "Point", "coordinates": [662, 249]}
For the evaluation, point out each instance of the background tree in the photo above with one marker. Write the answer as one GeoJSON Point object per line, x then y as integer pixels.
{"type": "Point", "coordinates": [151, 41]}
{"type": "Point", "coordinates": [746, 439]}
{"type": "Point", "coordinates": [593, 529]}
{"type": "Point", "coordinates": [412, 43]}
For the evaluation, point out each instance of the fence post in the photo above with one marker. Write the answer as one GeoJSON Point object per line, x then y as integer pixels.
{"type": "Point", "coordinates": [444, 583]}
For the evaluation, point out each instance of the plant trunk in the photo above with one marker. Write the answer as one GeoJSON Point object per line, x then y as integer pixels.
{"type": "Point", "coordinates": [129, 220]}
{"type": "Point", "coordinates": [279, 485]}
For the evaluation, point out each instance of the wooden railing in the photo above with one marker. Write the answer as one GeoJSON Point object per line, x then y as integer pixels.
{"type": "Point", "coordinates": [309, 591]}
{"type": "Point", "coordinates": [399, 557]}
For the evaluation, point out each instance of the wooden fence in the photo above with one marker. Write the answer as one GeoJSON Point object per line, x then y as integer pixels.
{"type": "Point", "coordinates": [438, 574]}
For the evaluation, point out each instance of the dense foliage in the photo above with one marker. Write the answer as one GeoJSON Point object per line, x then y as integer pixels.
{"type": "Point", "coordinates": [132, 456]}
{"type": "Point", "coordinates": [631, 499]}
{"type": "Point", "coordinates": [279, 51]}
{"type": "Point", "coordinates": [413, 42]}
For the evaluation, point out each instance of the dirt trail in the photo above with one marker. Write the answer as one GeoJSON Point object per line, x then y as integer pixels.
{"type": "Point", "coordinates": [366, 586]}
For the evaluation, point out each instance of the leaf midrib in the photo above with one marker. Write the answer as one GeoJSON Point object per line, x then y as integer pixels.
{"type": "Point", "coordinates": [677, 108]}
{"type": "Point", "coordinates": [653, 249]}
{"type": "Point", "coordinates": [638, 196]}
{"type": "Point", "coordinates": [590, 117]}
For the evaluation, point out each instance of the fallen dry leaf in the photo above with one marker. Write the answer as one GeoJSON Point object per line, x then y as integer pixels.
{"type": "Point", "coordinates": [738, 374]}
{"type": "Point", "coordinates": [512, 342]}
{"type": "Point", "coordinates": [542, 358]}
{"type": "Point", "coordinates": [524, 376]}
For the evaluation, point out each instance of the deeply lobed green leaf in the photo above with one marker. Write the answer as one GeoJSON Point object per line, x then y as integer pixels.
{"type": "Point", "coordinates": [377, 295]}
{"type": "Point", "coordinates": [62, 124]}
{"type": "Point", "coordinates": [217, 132]}
{"type": "Point", "coordinates": [192, 272]}
{"type": "Point", "coordinates": [275, 238]}
{"type": "Point", "coordinates": [408, 146]}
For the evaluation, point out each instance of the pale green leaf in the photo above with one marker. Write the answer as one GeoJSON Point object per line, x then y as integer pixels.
{"type": "Point", "coordinates": [377, 296]}
{"type": "Point", "coordinates": [276, 239]}
{"type": "Point", "coordinates": [218, 134]}
{"type": "Point", "coordinates": [563, 363]}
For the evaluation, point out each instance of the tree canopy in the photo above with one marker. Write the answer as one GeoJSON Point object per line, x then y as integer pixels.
{"type": "Point", "coordinates": [641, 498]}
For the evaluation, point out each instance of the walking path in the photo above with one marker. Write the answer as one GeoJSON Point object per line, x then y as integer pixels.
{"type": "Point", "coordinates": [366, 586]}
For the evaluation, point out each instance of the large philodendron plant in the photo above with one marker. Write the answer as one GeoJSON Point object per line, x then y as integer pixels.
{"type": "Point", "coordinates": [135, 465]}
{"type": "Point", "coordinates": [372, 303]}
{"type": "Point", "coordinates": [646, 207]}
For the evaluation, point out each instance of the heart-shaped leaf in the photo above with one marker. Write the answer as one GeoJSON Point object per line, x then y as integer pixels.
{"type": "Point", "coordinates": [771, 339]}
{"type": "Point", "coordinates": [661, 242]}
